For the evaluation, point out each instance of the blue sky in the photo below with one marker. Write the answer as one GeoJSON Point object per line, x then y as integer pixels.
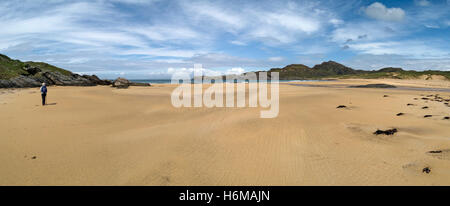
{"type": "Point", "coordinates": [156, 38]}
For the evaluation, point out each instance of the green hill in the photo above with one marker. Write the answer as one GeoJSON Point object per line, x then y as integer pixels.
{"type": "Point", "coordinates": [333, 69]}
{"type": "Point", "coordinates": [10, 68]}
{"type": "Point", "coordinates": [15, 73]}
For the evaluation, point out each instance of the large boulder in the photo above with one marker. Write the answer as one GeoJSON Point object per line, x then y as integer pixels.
{"type": "Point", "coordinates": [121, 83]}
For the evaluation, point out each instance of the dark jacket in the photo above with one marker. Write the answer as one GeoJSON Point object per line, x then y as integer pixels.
{"type": "Point", "coordinates": [44, 90]}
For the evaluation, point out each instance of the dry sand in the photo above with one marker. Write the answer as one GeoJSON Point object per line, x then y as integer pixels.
{"type": "Point", "coordinates": [105, 136]}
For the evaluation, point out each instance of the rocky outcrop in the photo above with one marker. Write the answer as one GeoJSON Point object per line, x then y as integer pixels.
{"type": "Point", "coordinates": [52, 78]}
{"type": "Point", "coordinates": [17, 74]}
{"type": "Point", "coordinates": [96, 80]}
{"type": "Point", "coordinates": [64, 80]}
{"type": "Point", "coordinates": [19, 82]}
{"type": "Point", "coordinates": [121, 83]}
{"type": "Point", "coordinates": [31, 70]}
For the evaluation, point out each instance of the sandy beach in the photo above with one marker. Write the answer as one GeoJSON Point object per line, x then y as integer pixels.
{"type": "Point", "coordinates": [106, 136]}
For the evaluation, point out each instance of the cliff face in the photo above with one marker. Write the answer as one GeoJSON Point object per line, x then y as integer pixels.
{"type": "Point", "coordinates": [17, 74]}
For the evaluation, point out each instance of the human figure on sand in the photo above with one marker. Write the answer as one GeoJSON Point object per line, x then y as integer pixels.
{"type": "Point", "coordinates": [43, 93]}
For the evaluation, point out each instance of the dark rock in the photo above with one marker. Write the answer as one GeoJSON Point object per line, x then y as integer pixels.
{"type": "Point", "coordinates": [94, 79]}
{"type": "Point", "coordinates": [400, 114]}
{"type": "Point", "coordinates": [341, 106]}
{"type": "Point", "coordinates": [6, 84]}
{"type": "Point", "coordinates": [435, 151]}
{"type": "Point", "coordinates": [32, 70]}
{"type": "Point", "coordinates": [425, 107]}
{"type": "Point", "coordinates": [374, 86]}
{"type": "Point", "coordinates": [24, 81]}
{"type": "Point", "coordinates": [385, 95]}
{"type": "Point", "coordinates": [65, 80]}
{"type": "Point", "coordinates": [426, 116]}
{"type": "Point", "coordinates": [19, 82]}
{"type": "Point", "coordinates": [446, 117]}
{"type": "Point", "coordinates": [121, 83]}
{"type": "Point", "coordinates": [140, 84]}
{"type": "Point", "coordinates": [386, 132]}
{"type": "Point", "coordinates": [409, 104]}
{"type": "Point", "coordinates": [426, 170]}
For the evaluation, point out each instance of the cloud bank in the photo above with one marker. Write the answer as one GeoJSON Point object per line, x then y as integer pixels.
{"type": "Point", "coordinates": [143, 39]}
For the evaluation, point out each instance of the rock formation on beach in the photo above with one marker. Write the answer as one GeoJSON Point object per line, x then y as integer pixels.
{"type": "Point", "coordinates": [121, 83]}
{"type": "Point", "coordinates": [17, 74]}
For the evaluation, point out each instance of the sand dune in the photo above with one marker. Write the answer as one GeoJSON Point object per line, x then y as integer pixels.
{"type": "Point", "coordinates": [105, 136]}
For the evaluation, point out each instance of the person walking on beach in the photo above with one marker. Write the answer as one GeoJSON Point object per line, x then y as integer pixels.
{"type": "Point", "coordinates": [43, 93]}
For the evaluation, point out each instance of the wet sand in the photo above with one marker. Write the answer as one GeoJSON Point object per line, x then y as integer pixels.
{"type": "Point", "coordinates": [105, 136]}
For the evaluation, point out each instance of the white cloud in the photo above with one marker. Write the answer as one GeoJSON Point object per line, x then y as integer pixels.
{"type": "Point", "coordinates": [236, 70]}
{"type": "Point", "coordinates": [161, 52]}
{"type": "Point", "coordinates": [416, 49]}
{"type": "Point", "coordinates": [239, 43]}
{"type": "Point", "coordinates": [203, 71]}
{"type": "Point", "coordinates": [336, 22]}
{"type": "Point", "coordinates": [165, 32]}
{"type": "Point", "coordinates": [292, 22]}
{"type": "Point", "coordinates": [379, 11]}
{"type": "Point", "coordinates": [193, 71]}
{"type": "Point", "coordinates": [375, 62]}
{"type": "Point", "coordinates": [135, 1]}
{"type": "Point", "coordinates": [204, 11]}
{"type": "Point", "coordinates": [147, 37]}
{"type": "Point", "coordinates": [422, 2]}
{"type": "Point", "coordinates": [367, 31]}
{"type": "Point", "coordinates": [277, 25]}
{"type": "Point", "coordinates": [276, 59]}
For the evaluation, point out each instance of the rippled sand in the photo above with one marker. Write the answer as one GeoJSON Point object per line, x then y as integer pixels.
{"type": "Point", "coordinates": [104, 136]}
